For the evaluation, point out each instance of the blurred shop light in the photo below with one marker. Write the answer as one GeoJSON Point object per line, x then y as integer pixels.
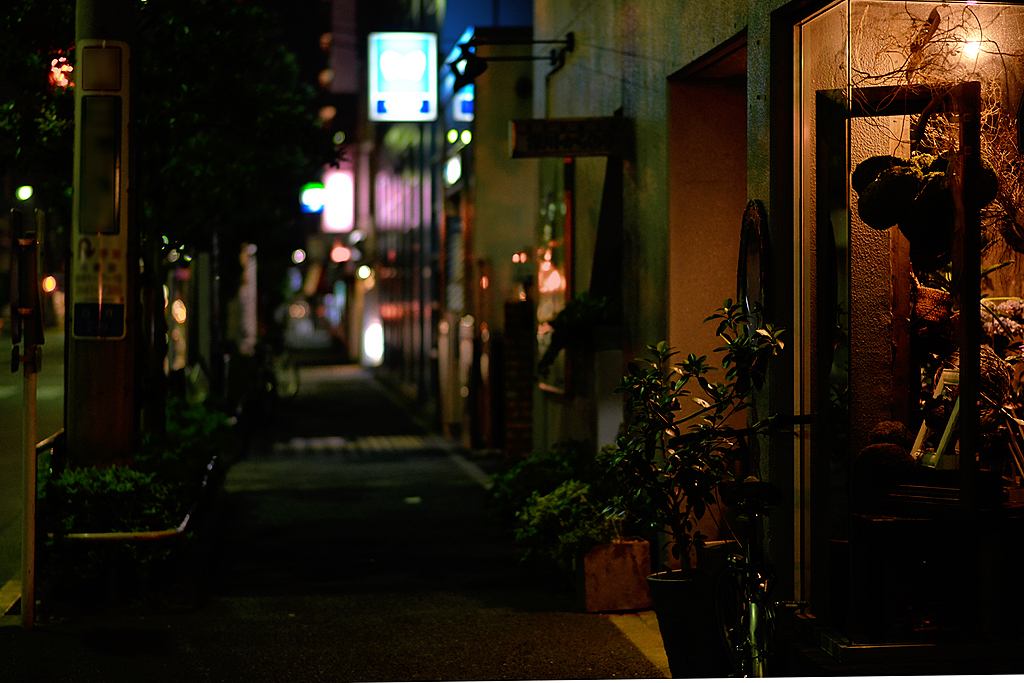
{"type": "Point", "coordinates": [298, 256]}
{"type": "Point", "coordinates": [462, 104]}
{"type": "Point", "coordinates": [364, 272]}
{"type": "Point", "coordinates": [550, 279]}
{"type": "Point", "coordinates": [339, 137]}
{"type": "Point", "coordinates": [340, 253]}
{"type": "Point", "coordinates": [49, 284]}
{"type": "Point", "coordinates": [327, 114]}
{"type": "Point", "coordinates": [453, 170]}
{"type": "Point", "coordinates": [466, 137]}
{"type": "Point", "coordinates": [24, 193]}
{"type": "Point", "coordinates": [339, 201]}
{"type": "Point", "coordinates": [373, 344]}
{"type": "Point", "coordinates": [294, 279]}
{"type": "Point", "coordinates": [453, 136]}
{"type": "Point", "coordinates": [313, 196]}
{"type": "Point", "coordinates": [178, 311]}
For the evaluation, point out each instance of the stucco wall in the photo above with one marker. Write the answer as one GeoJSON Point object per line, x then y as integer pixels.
{"type": "Point", "coordinates": [504, 189]}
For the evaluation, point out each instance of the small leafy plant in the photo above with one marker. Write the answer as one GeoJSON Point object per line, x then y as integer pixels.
{"type": "Point", "coordinates": [542, 473]}
{"type": "Point", "coordinates": [672, 458]}
{"type": "Point", "coordinates": [154, 494]}
{"type": "Point", "coordinates": [561, 525]}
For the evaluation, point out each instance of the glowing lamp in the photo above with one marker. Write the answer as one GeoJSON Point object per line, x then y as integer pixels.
{"type": "Point", "coordinates": [24, 193]}
{"type": "Point", "coordinates": [49, 283]}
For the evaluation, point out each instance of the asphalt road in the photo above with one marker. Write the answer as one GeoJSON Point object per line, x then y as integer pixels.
{"type": "Point", "coordinates": [50, 418]}
{"type": "Point", "coordinates": [347, 545]}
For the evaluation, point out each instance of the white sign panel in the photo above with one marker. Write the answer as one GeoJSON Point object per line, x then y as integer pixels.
{"type": "Point", "coordinates": [403, 77]}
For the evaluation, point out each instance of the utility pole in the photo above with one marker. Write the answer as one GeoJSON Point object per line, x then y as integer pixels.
{"type": "Point", "coordinates": [100, 411]}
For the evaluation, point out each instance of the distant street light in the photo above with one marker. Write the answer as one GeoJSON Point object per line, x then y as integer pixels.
{"type": "Point", "coordinates": [24, 193]}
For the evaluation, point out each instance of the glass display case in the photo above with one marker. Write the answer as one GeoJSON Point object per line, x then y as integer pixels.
{"type": "Point", "coordinates": [910, 314]}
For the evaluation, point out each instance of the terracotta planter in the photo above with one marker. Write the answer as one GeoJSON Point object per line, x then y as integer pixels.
{"type": "Point", "coordinates": [613, 577]}
{"type": "Point", "coordinates": [683, 602]}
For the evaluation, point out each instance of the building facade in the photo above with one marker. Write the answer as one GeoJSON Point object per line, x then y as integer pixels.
{"type": "Point", "coordinates": [738, 130]}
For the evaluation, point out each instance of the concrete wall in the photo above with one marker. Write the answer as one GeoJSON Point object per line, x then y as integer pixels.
{"type": "Point", "coordinates": [503, 188]}
{"type": "Point", "coordinates": [625, 55]}
{"type": "Point", "coordinates": [681, 227]}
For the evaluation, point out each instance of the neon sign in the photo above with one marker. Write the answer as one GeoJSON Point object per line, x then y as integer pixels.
{"type": "Point", "coordinates": [403, 76]}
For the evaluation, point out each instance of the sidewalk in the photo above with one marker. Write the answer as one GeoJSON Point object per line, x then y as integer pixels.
{"type": "Point", "coordinates": [349, 545]}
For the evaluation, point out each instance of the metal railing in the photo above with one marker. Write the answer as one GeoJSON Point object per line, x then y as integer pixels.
{"type": "Point", "coordinates": [55, 441]}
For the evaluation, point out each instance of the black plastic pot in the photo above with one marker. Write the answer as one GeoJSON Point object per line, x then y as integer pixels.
{"type": "Point", "coordinates": [683, 602]}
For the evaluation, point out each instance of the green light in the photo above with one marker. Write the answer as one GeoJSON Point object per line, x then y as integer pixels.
{"type": "Point", "coordinates": [339, 137]}
{"type": "Point", "coordinates": [313, 196]}
{"type": "Point", "coordinates": [24, 193]}
{"type": "Point", "coordinates": [466, 137]}
{"type": "Point", "coordinates": [453, 136]}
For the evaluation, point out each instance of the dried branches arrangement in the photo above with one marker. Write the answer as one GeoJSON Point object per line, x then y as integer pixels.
{"type": "Point", "coordinates": [912, 45]}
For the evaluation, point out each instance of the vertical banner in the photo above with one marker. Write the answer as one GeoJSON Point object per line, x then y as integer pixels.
{"type": "Point", "coordinates": [99, 214]}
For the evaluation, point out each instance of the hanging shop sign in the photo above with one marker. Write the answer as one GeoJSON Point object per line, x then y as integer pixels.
{"type": "Point", "coordinates": [403, 76]}
{"type": "Point", "coordinates": [582, 137]}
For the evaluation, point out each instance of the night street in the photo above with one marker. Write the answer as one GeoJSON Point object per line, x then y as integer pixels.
{"type": "Point", "coordinates": [406, 340]}
{"type": "Point", "coordinates": [348, 545]}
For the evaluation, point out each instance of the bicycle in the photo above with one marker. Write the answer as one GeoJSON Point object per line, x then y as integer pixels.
{"type": "Point", "coordinates": [743, 602]}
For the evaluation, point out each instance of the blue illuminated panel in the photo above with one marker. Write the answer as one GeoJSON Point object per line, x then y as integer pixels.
{"type": "Point", "coordinates": [403, 76]}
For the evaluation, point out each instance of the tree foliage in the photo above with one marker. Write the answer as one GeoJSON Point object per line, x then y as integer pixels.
{"type": "Point", "coordinates": [36, 116]}
{"type": "Point", "coordinates": [223, 129]}
{"type": "Point", "coordinates": [227, 133]}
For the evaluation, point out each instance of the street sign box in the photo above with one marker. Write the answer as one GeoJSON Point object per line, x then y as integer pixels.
{"type": "Point", "coordinates": [580, 137]}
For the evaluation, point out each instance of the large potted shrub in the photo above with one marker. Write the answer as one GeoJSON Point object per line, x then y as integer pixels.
{"type": "Point", "coordinates": [682, 431]}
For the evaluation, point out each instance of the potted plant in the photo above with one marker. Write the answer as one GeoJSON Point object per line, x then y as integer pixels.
{"type": "Point", "coordinates": [580, 530]}
{"type": "Point", "coordinates": [677, 447]}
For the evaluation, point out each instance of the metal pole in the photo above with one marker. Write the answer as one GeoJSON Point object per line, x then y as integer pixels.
{"type": "Point", "coordinates": [28, 541]}
{"type": "Point", "coordinates": [26, 311]}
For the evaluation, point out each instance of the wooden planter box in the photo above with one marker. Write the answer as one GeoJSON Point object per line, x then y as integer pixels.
{"type": "Point", "coordinates": [613, 577]}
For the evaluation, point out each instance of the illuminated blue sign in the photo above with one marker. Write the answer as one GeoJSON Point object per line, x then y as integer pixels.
{"type": "Point", "coordinates": [403, 77]}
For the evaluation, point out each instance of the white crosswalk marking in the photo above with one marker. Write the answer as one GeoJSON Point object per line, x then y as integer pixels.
{"type": "Point", "coordinates": [401, 442]}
